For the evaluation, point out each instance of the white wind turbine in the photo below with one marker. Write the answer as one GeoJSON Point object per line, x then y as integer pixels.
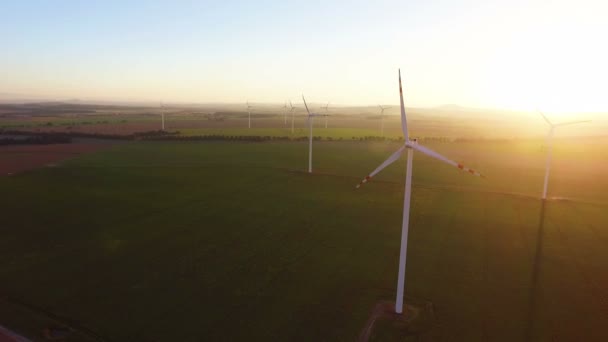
{"type": "Point", "coordinates": [293, 117]}
{"type": "Point", "coordinates": [285, 112]}
{"type": "Point", "coordinates": [162, 117]}
{"type": "Point", "coordinates": [311, 117]}
{"type": "Point", "coordinates": [550, 147]}
{"type": "Point", "coordinates": [249, 112]}
{"type": "Point", "coordinates": [410, 145]}
{"type": "Point", "coordinates": [326, 107]}
{"type": "Point", "coordinates": [382, 109]}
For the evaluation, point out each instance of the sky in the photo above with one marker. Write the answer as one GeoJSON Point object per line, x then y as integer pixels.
{"type": "Point", "coordinates": [521, 55]}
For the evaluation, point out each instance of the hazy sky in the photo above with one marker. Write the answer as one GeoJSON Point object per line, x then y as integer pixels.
{"type": "Point", "coordinates": [509, 54]}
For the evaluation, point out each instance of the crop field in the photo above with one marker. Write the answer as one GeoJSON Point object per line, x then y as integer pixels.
{"type": "Point", "coordinates": [236, 123]}
{"type": "Point", "coordinates": [344, 122]}
{"type": "Point", "coordinates": [190, 241]}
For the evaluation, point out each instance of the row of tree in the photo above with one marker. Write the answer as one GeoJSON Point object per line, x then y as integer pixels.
{"type": "Point", "coordinates": [65, 137]}
{"type": "Point", "coordinates": [36, 140]}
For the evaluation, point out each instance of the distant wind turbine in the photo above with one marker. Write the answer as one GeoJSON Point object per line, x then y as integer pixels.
{"type": "Point", "coordinates": [326, 107]}
{"type": "Point", "coordinates": [382, 109]}
{"type": "Point", "coordinates": [293, 117]}
{"type": "Point", "coordinates": [249, 112]}
{"type": "Point", "coordinates": [162, 117]}
{"type": "Point", "coordinates": [311, 117]}
{"type": "Point", "coordinates": [410, 145]}
{"type": "Point", "coordinates": [285, 112]}
{"type": "Point", "coordinates": [550, 145]}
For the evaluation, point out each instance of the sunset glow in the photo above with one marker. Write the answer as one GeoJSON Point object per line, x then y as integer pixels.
{"type": "Point", "coordinates": [521, 55]}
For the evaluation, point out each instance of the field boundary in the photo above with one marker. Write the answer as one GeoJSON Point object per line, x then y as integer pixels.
{"type": "Point", "coordinates": [458, 188]}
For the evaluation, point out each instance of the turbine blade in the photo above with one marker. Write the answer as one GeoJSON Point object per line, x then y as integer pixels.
{"type": "Point", "coordinates": [544, 117]}
{"type": "Point", "coordinates": [386, 163]}
{"type": "Point", "coordinates": [305, 105]}
{"type": "Point", "coordinates": [403, 120]}
{"type": "Point", "coordinates": [571, 123]}
{"type": "Point", "coordinates": [436, 155]}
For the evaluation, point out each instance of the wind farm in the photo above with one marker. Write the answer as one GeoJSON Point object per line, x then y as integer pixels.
{"type": "Point", "coordinates": [461, 232]}
{"type": "Point", "coordinates": [415, 194]}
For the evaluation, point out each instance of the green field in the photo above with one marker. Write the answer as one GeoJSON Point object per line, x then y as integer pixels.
{"type": "Point", "coordinates": [269, 120]}
{"type": "Point", "coordinates": [155, 241]}
{"type": "Point", "coordinates": [333, 133]}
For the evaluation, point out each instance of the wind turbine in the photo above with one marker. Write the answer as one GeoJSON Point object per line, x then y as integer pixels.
{"type": "Point", "coordinates": [410, 145]}
{"type": "Point", "coordinates": [293, 112]}
{"type": "Point", "coordinates": [249, 112]}
{"type": "Point", "coordinates": [326, 107]}
{"type": "Point", "coordinates": [311, 117]}
{"type": "Point", "coordinates": [162, 117]}
{"type": "Point", "coordinates": [382, 109]}
{"type": "Point", "coordinates": [285, 112]}
{"type": "Point", "coordinates": [550, 143]}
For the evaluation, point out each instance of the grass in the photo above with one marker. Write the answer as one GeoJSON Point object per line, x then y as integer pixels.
{"type": "Point", "coordinates": [224, 241]}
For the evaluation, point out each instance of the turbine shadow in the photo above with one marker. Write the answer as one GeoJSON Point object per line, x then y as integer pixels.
{"type": "Point", "coordinates": [534, 292]}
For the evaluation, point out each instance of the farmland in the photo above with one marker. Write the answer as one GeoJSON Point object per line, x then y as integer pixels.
{"type": "Point", "coordinates": [378, 171]}
{"type": "Point", "coordinates": [344, 122]}
{"type": "Point", "coordinates": [232, 241]}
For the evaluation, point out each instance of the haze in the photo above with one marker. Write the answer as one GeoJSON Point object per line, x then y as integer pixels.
{"type": "Point", "coordinates": [510, 55]}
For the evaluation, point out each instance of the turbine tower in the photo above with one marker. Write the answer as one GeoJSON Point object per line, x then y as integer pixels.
{"type": "Point", "coordinates": [550, 147]}
{"type": "Point", "coordinates": [382, 109]}
{"type": "Point", "coordinates": [249, 112]}
{"type": "Point", "coordinates": [311, 117]}
{"type": "Point", "coordinates": [410, 145]}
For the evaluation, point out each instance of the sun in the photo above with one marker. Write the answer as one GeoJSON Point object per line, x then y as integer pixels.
{"type": "Point", "coordinates": [557, 69]}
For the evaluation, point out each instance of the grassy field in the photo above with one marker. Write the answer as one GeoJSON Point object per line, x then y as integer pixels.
{"type": "Point", "coordinates": [268, 119]}
{"type": "Point", "coordinates": [232, 241]}
{"type": "Point", "coordinates": [334, 133]}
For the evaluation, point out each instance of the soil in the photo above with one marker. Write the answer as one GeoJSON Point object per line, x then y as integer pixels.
{"type": "Point", "coordinates": [20, 158]}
